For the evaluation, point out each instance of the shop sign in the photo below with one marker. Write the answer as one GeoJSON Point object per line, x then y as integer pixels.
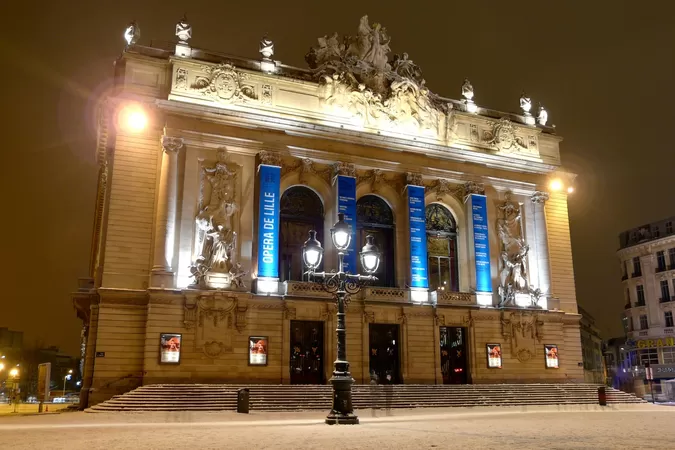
{"type": "Point", "coordinates": [653, 343]}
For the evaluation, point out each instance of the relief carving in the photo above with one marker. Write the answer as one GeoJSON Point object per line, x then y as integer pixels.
{"type": "Point", "coordinates": [214, 317]}
{"type": "Point", "coordinates": [345, 169]}
{"type": "Point", "coordinates": [503, 137]}
{"type": "Point", "coordinates": [523, 332]}
{"type": "Point", "coordinates": [223, 83]}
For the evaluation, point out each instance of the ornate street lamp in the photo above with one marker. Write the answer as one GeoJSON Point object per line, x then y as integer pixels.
{"type": "Point", "coordinates": [341, 285]}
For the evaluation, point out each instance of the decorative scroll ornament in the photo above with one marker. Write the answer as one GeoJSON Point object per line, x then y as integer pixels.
{"type": "Point", "coordinates": [358, 80]}
{"type": "Point", "coordinates": [171, 144]}
{"type": "Point", "coordinates": [270, 158]}
{"type": "Point", "coordinates": [513, 275]}
{"type": "Point", "coordinates": [343, 168]}
{"type": "Point", "coordinates": [503, 137]}
{"type": "Point", "coordinates": [223, 83]}
{"type": "Point", "coordinates": [216, 238]}
{"type": "Point", "coordinates": [539, 197]}
{"type": "Point", "coordinates": [442, 187]}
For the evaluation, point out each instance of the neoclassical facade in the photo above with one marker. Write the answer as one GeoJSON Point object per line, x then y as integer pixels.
{"type": "Point", "coordinates": [213, 169]}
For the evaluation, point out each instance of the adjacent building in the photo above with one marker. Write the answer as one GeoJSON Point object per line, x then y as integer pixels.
{"type": "Point", "coordinates": [213, 170]}
{"type": "Point", "coordinates": [647, 258]}
{"type": "Point", "coordinates": [591, 347]}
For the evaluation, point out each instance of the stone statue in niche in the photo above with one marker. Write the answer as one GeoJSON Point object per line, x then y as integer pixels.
{"type": "Point", "coordinates": [513, 273]}
{"type": "Point", "coordinates": [215, 235]}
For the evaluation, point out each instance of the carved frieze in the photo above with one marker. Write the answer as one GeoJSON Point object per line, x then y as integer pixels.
{"type": "Point", "coordinates": [375, 178]}
{"type": "Point", "coordinates": [502, 137]}
{"type": "Point", "coordinates": [224, 84]}
{"type": "Point", "coordinates": [305, 167]}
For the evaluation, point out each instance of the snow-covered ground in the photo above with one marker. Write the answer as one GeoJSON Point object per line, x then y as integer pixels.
{"type": "Point", "coordinates": [551, 427]}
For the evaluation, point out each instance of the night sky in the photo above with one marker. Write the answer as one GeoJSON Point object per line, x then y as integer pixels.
{"type": "Point", "coordinates": [604, 70]}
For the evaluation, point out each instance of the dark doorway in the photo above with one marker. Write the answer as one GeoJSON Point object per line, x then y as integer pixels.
{"type": "Point", "coordinates": [453, 355]}
{"type": "Point", "coordinates": [384, 353]}
{"type": "Point", "coordinates": [306, 362]}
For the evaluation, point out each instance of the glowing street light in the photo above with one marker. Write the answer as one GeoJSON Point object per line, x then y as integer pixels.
{"type": "Point", "coordinates": [133, 118]}
{"type": "Point", "coordinates": [2, 367]}
{"type": "Point", "coordinates": [570, 190]}
{"type": "Point", "coordinates": [556, 185]}
{"type": "Point", "coordinates": [14, 373]}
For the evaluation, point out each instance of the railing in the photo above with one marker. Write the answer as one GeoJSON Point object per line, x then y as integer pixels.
{"type": "Point", "coordinates": [636, 274]}
{"type": "Point", "coordinates": [668, 330]}
{"type": "Point", "coordinates": [643, 333]}
{"type": "Point", "coordinates": [453, 298]}
{"type": "Point", "coordinates": [305, 289]}
{"type": "Point", "coordinates": [386, 294]}
{"type": "Point", "coordinates": [665, 300]}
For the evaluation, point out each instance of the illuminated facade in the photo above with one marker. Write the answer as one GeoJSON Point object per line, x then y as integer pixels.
{"type": "Point", "coordinates": [647, 256]}
{"type": "Point", "coordinates": [213, 171]}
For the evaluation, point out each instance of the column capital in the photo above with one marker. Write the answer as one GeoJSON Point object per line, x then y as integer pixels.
{"type": "Point", "coordinates": [344, 168]}
{"type": "Point", "coordinates": [269, 158]}
{"type": "Point", "coordinates": [471, 187]}
{"type": "Point", "coordinates": [539, 197]}
{"type": "Point", "coordinates": [413, 178]}
{"type": "Point", "coordinates": [171, 144]}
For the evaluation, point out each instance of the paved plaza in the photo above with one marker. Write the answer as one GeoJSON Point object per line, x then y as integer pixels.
{"type": "Point", "coordinates": [588, 427]}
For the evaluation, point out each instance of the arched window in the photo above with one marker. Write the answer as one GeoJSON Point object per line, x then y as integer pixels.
{"type": "Point", "coordinates": [301, 210]}
{"type": "Point", "coordinates": [375, 217]}
{"type": "Point", "coordinates": [441, 248]}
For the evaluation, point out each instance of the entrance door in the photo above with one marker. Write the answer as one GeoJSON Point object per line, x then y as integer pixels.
{"type": "Point", "coordinates": [453, 355]}
{"type": "Point", "coordinates": [384, 353]}
{"type": "Point", "coordinates": [306, 362]}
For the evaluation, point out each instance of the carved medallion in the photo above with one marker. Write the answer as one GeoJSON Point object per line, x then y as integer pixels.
{"type": "Point", "coordinates": [223, 84]}
{"type": "Point", "coordinates": [503, 137]}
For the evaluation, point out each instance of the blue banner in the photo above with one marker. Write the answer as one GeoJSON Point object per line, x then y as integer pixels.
{"type": "Point", "coordinates": [268, 222]}
{"type": "Point", "coordinates": [418, 238]}
{"type": "Point", "coordinates": [346, 194]}
{"type": "Point", "coordinates": [481, 243]}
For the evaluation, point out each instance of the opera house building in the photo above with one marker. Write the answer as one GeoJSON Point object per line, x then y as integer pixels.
{"type": "Point", "coordinates": [214, 169]}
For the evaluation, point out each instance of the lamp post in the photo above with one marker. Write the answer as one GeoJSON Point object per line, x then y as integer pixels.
{"type": "Point", "coordinates": [66, 378]}
{"type": "Point", "coordinates": [341, 285]}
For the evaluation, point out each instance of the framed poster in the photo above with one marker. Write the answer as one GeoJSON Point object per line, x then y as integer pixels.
{"type": "Point", "coordinates": [551, 352]}
{"type": "Point", "coordinates": [494, 356]}
{"type": "Point", "coordinates": [257, 350]}
{"type": "Point", "coordinates": [169, 348]}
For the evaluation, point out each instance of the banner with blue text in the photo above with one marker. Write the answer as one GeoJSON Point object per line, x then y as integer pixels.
{"type": "Point", "coordinates": [418, 238]}
{"type": "Point", "coordinates": [481, 243]}
{"type": "Point", "coordinates": [268, 222]}
{"type": "Point", "coordinates": [346, 195]}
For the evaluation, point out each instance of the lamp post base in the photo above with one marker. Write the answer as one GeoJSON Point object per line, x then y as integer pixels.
{"type": "Point", "coordinates": [343, 411]}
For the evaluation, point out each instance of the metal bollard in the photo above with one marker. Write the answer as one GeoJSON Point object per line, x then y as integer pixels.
{"type": "Point", "coordinates": [243, 397]}
{"type": "Point", "coordinates": [602, 396]}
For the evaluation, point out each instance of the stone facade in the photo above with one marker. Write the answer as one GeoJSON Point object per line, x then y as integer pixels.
{"type": "Point", "coordinates": [175, 246]}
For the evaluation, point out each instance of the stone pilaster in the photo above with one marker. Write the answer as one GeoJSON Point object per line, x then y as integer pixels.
{"type": "Point", "coordinates": [541, 242]}
{"type": "Point", "coordinates": [162, 275]}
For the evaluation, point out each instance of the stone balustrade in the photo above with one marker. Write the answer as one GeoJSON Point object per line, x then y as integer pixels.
{"type": "Point", "coordinates": [386, 294]}
{"type": "Point", "coordinates": [305, 289]}
{"type": "Point", "coordinates": [453, 298]}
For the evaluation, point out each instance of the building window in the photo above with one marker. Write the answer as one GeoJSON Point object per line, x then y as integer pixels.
{"type": "Point", "coordinates": [660, 261]}
{"type": "Point", "coordinates": [637, 269]}
{"type": "Point", "coordinates": [665, 291]}
{"type": "Point", "coordinates": [671, 258]}
{"type": "Point", "coordinates": [669, 227]}
{"type": "Point", "coordinates": [644, 325]}
{"type": "Point", "coordinates": [640, 290]}
{"type": "Point", "coordinates": [627, 324]}
{"type": "Point", "coordinates": [301, 210]}
{"type": "Point", "coordinates": [374, 217]}
{"type": "Point", "coordinates": [668, 355]}
{"type": "Point", "coordinates": [656, 232]}
{"type": "Point", "coordinates": [669, 318]}
{"type": "Point", "coordinates": [441, 248]}
{"type": "Point", "coordinates": [648, 355]}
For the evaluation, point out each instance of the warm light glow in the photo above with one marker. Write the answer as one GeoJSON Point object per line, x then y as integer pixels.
{"type": "Point", "coordinates": [370, 262]}
{"type": "Point", "coordinates": [264, 286]}
{"type": "Point", "coordinates": [556, 185]}
{"type": "Point", "coordinates": [340, 239]}
{"type": "Point", "coordinates": [2, 367]}
{"type": "Point", "coordinates": [14, 373]}
{"type": "Point", "coordinates": [484, 299]}
{"type": "Point", "coordinates": [419, 295]}
{"type": "Point", "coordinates": [570, 190]}
{"type": "Point", "coordinates": [312, 257]}
{"type": "Point", "coordinates": [133, 118]}
{"type": "Point", "coordinates": [70, 371]}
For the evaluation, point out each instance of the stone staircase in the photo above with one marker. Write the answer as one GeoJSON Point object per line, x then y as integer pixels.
{"type": "Point", "coordinates": [219, 397]}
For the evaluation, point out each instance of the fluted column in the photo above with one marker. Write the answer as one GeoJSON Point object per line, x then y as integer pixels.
{"type": "Point", "coordinates": [541, 238]}
{"type": "Point", "coordinates": [162, 275]}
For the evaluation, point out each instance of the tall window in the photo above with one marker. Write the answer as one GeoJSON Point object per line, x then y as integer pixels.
{"type": "Point", "coordinates": [301, 210]}
{"type": "Point", "coordinates": [665, 291]}
{"type": "Point", "coordinates": [375, 217]}
{"type": "Point", "coordinates": [660, 261]}
{"type": "Point", "coordinates": [668, 355]}
{"type": "Point", "coordinates": [648, 355]}
{"type": "Point", "coordinates": [640, 290]}
{"type": "Point", "coordinates": [671, 257]}
{"type": "Point", "coordinates": [637, 269]}
{"type": "Point", "coordinates": [669, 318]}
{"type": "Point", "coordinates": [669, 227]}
{"type": "Point", "coordinates": [656, 231]}
{"type": "Point", "coordinates": [644, 325]}
{"type": "Point", "coordinates": [441, 248]}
